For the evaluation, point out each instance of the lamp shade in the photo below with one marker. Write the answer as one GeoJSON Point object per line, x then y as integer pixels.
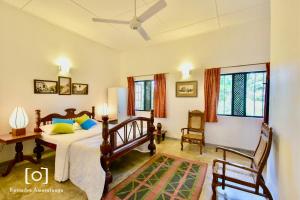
{"type": "Point", "coordinates": [105, 109]}
{"type": "Point", "coordinates": [18, 118]}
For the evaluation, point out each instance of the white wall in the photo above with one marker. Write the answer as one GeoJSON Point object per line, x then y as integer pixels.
{"type": "Point", "coordinates": [28, 49]}
{"type": "Point", "coordinates": [284, 162]}
{"type": "Point", "coordinates": [248, 43]}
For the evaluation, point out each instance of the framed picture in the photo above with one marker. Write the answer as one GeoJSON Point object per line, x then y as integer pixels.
{"type": "Point", "coordinates": [64, 85]}
{"type": "Point", "coordinates": [80, 89]}
{"type": "Point", "coordinates": [187, 89]}
{"type": "Point", "coordinates": [44, 87]}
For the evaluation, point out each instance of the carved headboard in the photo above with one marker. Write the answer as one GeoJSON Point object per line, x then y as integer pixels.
{"type": "Point", "coordinates": [70, 114]}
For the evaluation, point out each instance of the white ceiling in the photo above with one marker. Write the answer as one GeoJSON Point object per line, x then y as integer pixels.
{"type": "Point", "coordinates": [180, 19]}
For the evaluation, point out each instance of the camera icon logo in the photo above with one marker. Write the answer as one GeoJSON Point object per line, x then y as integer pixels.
{"type": "Point", "coordinates": [36, 176]}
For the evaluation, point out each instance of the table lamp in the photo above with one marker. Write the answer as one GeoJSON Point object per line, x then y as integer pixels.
{"type": "Point", "coordinates": [18, 121]}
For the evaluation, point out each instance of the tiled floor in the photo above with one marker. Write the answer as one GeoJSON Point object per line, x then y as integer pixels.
{"type": "Point", "coordinates": [121, 169]}
{"type": "Point", "coordinates": [190, 151]}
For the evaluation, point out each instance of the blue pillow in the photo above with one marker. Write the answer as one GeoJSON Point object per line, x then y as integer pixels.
{"type": "Point", "coordinates": [88, 124]}
{"type": "Point", "coordinates": [59, 120]}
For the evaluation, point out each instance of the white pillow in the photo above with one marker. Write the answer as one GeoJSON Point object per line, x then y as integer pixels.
{"type": "Point", "coordinates": [47, 129]}
{"type": "Point", "coordinates": [76, 126]}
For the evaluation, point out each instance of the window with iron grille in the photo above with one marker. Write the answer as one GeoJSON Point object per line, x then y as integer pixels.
{"type": "Point", "coordinates": [242, 94]}
{"type": "Point", "coordinates": [144, 92]}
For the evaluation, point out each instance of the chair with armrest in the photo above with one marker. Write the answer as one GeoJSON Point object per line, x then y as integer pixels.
{"type": "Point", "coordinates": [194, 133]}
{"type": "Point", "coordinates": [229, 174]}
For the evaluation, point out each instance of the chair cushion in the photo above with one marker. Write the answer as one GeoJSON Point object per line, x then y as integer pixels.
{"type": "Point", "coordinates": [196, 136]}
{"type": "Point", "coordinates": [236, 173]}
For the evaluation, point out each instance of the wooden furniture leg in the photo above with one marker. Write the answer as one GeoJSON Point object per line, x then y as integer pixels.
{"type": "Point", "coordinates": [158, 133]}
{"type": "Point", "coordinates": [201, 147]}
{"type": "Point", "coordinates": [181, 143]}
{"type": "Point", "coordinates": [38, 150]}
{"type": "Point", "coordinates": [19, 157]}
{"type": "Point", "coordinates": [163, 135]}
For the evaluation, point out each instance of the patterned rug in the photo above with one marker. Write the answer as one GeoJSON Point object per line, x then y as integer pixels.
{"type": "Point", "coordinates": [162, 177]}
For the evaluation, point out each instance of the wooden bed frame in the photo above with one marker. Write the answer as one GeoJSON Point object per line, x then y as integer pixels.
{"type": "Point", "coordinates": [110, 151]}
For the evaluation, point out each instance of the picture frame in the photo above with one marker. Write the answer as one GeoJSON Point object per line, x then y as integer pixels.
{"type": "Point", "coordinates": [80, 89]}
{"type": "Point", "coordinates": [45, 86]}
{"type": "Point", "coordinates": [64, 85]}
{"type": "Point", "coordinates": [187, 89]}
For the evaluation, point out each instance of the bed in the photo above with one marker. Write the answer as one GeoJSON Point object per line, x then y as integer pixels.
{"type": "Point", "coordinates": [114, 141]}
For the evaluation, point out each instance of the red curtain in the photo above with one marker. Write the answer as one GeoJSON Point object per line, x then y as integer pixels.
{"type": "Point", "coordinates": [211, 93]}
{"type": "Point", "coordinates": [160, 96]}
{"type": "Point", "coordinates": [131, 97]}
{"type": "Point", "coordinates": [267, 94]}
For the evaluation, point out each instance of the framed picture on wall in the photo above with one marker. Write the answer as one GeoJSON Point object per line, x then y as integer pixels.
{"type": "Point", "coordinates": [187, 89]}
{"type": "Point", "coordinates": [80, 89]}
{"type": "Point", "coordinates": [44, 87]}
{"type": "Point", "coordinates": [64, 85]}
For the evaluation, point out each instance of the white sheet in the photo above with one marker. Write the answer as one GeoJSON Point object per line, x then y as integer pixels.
{"type": "Point", "coordinates": [63, 143]}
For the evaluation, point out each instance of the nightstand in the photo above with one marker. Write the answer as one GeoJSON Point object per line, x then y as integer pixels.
{"type": "Point", "coordinates": [159, 133]}
{"type": "Point", "coordinates": [110, 121]}
{"type": "Point", "coordinates": [19, 157]}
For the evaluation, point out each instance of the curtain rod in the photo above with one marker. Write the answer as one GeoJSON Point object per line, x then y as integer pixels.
{"type": "Point", "coordinates": [148, 75]}
{"type": "Point", "coordinates": [244, 65]}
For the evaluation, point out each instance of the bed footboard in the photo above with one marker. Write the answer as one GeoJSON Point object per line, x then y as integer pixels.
{"type": "Point", "coordinates": [123, 138]}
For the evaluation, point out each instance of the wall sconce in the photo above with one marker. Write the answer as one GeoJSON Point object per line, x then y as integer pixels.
{"type": "Point", "coordinates": [64, 66]}
{"type": "Point", "coordinates": [185, 70]}
{"type": "Point", "coordinates": [18, 121]}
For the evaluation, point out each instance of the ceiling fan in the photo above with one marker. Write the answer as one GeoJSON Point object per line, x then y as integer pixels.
{"type": "Point", "coordinates": [136, 22]}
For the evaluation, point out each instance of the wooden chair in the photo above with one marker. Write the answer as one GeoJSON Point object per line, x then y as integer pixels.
{"type": "Point", "coordinates": [228, 174]}
{"type": "Point", "coordinates": [194, 133]}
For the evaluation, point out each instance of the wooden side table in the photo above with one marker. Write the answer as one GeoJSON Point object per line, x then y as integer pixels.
{"type": "Point", "coordinates": [19, 157]}
{"type": "Point", "coordinates": [110, 121]}
{"type": "Point", "coordinates": [159, 133]}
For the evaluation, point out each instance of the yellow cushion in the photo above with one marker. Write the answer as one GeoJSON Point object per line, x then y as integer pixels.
{"type": "Point", "coordinates": [62, 128]}
{"type": "Point", "coordinates": [82, 119]}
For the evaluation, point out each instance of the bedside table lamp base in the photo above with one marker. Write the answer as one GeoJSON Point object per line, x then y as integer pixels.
{"type": "Point", "coordinates": [18, 132]}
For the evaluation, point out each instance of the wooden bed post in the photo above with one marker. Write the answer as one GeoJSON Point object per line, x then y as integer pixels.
{"type": "Point", "coordinates": [37, 121]}
{"type": "Point", "coordinates": [152, 146]}
{"type": "Point", "coordinates": [105, 151]}
{"type": "Point", "coordinates": [93, 112]}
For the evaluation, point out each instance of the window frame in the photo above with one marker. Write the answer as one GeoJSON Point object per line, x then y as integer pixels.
{"type": "Point", "coordinates": [151, 98]}
{"type": "Point", "coordinates": [245, 99]}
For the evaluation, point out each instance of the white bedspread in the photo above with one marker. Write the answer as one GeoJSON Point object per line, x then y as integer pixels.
{"type": "Point", "coordinates": [78, 158]}
{"type": "Point", "coordinates": [85, 168]}
{"type": "Point", "coordinates": [63, 143]}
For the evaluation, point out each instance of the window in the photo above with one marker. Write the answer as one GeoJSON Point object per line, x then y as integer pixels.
{"type": "Point", "coordinates": [242, 94]}
{"type": "Point", "coordinates": [144, 92]}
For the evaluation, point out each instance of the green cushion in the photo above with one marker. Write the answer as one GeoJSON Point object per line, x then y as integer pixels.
{"type": "Point", "coordinates": [62, 128]}
{"type": "Point", "coordinates": [82, 119]}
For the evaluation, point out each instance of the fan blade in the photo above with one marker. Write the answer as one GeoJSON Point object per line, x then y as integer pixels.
{"type": "Point", "coordinates": [143, 33]}
{"type": "Point", "coordinates": [110, 21]}
{"type": "Point", "coordinates": [153, 10]}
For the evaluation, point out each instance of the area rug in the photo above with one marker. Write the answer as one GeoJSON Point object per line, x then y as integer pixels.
{"type": "Point", "coordinates": [162, 177]}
